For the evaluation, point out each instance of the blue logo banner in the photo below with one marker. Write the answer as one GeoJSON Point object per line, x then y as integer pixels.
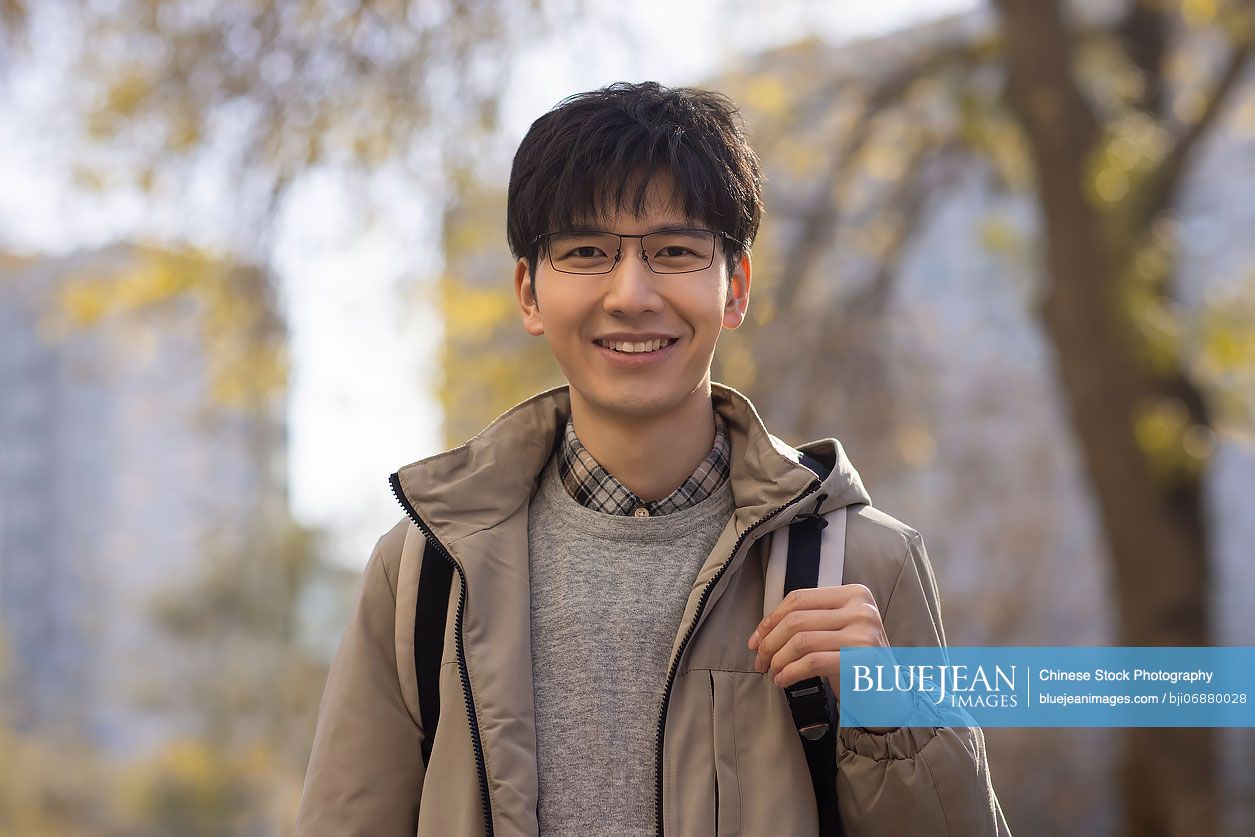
{"type": "Point", "coordinates": [1038, 686]}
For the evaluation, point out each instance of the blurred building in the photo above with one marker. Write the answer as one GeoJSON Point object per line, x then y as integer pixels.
{"type": "Point", "coordinates": [123, 470]}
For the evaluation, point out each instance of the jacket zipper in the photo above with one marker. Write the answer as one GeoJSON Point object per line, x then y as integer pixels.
{"type": "Point", "coordinates": [714, 750]}
{"type": "Point", "coordinates": [480, 765]}
{"type": "Point", "coordinates": [688, 634]}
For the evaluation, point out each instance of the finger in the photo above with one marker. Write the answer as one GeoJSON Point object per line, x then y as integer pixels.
{"type": "Point", "coordinates": [800, 600]}
{"type": "Point", "coordinates": [809, 642]}
{"type": "Point", "coordinates": [810, 598]}
{"type": "Point", "coordinates": [805, 620]}
{"type": "Point", "coordinates": [817, 664]}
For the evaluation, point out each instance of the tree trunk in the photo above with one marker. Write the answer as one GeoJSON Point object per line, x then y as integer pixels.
{"type": "Point", "coordinates": [1155, 535]}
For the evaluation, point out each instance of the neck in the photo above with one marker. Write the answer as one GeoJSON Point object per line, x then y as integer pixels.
{"type": "Point", "coordinates": [651, 455]}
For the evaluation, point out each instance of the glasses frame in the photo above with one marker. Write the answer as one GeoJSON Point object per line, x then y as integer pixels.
{"type": "Point", "coordinates": [618, 253]}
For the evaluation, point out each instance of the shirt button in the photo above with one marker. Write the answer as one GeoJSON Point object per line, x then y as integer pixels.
{"type": "Point", "coordinates": [641, 511]}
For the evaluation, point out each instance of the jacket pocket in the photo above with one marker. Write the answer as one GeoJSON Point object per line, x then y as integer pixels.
{"type": "Point", "coordinates": [727, 791]}
{"type": "Point", "coordinates": [764, 783]}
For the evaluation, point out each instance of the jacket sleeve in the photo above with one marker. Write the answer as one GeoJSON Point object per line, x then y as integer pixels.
{"type": "Point", "coordinates": [366, 770]}
{"type": "Point", "coordinates": [916, 780]}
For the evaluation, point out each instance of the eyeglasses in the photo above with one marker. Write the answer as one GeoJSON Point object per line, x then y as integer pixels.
{"type": "Point", "coordinates": [597, 251]}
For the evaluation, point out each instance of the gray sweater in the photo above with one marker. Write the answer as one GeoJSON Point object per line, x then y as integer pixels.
{"type": "Point", "coordinates": [607, 594]}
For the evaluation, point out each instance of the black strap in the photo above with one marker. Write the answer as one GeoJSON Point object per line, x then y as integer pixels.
{"type": "Point", "coordinates": [811, 701]}
{"type": "Point", "coordinates": [434, 581]}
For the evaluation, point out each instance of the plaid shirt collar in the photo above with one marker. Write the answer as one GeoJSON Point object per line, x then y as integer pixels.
{"type": "Point", "coordinates": [594, 487]}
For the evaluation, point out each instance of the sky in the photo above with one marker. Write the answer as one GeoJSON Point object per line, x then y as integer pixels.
{"type": "Point", "coordinates": [363, 342]}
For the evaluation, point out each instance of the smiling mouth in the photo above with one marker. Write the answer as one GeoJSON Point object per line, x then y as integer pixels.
{"type": "Point", "coordinates": [628, 348]}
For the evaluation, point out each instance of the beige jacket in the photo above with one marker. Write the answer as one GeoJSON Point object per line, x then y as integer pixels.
{"type": "Point", "coordinates": [726, 732]}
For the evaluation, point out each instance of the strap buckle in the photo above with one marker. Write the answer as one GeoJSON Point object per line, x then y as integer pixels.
{"type": "Point", "coordinates": [808, 701]}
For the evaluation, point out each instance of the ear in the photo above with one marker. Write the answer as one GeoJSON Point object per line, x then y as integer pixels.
{"type": "Point", "coordinates": [528, 304]}
{"type": "Point", "coordinates": [737, 299]}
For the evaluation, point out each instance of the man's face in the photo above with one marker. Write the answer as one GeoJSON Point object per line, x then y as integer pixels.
{"type": "Point", "coordinates": [579, 312]}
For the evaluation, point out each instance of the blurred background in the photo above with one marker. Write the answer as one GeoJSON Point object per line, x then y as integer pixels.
{"type": "Point", "coordinates": [252, 260]}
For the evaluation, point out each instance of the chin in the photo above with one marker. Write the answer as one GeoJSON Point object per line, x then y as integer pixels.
{"type": "Point", "coordinates": [643, 401]}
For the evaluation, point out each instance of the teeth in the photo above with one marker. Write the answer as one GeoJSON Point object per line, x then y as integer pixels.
{"type": "Point", "coordinates": [631, 348]}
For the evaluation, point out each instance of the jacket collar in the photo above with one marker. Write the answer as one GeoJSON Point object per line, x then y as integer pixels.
{"type": "Point", "coordinates": [480, 483]}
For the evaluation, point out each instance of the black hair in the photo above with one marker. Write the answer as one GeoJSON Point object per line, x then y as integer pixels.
{"type": "Point", "coordinates": [584, 156]}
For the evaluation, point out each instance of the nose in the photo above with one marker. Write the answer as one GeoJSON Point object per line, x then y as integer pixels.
{"type": "Point", "coordinates": [632, 288]}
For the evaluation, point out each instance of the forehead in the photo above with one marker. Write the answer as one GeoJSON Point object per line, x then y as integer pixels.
{"type": "Point", "coordinates": [626, 209]}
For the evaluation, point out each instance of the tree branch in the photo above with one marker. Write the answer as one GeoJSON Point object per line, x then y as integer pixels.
{"type": "Point", "coordinates": [820, 219]}
{"type": "Point", "coordinates": [1160, 191]}
{"type": "Point", "coordinates": [1144, 35]}
{"type": "Point", "coordinates": [843, 326]}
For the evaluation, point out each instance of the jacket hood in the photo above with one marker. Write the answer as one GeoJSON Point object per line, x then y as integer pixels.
{"type": "Point", "coordinates": [483, 481]}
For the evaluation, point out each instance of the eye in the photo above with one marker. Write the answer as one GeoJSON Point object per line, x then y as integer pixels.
{"type": "Point", "coordinates": [679, 251]}
{"type": "Point", "coordinates": [587, 251]}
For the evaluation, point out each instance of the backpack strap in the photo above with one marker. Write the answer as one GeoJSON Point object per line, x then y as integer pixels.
{"type": "Point", "coordinates": [810, 552]}
{"type": "Point", "coordinates": [434, 582]}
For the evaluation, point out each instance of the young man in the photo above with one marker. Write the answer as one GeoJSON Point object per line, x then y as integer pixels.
{"type": "Point", "coordinates": [607, 669]}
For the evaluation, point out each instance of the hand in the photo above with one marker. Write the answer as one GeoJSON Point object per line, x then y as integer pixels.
{"type": "Point", "coordinates": [804, 635]}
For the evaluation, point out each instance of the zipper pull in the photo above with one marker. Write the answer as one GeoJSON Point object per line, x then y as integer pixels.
{"type": "Point", "coordinates": [813, 515]}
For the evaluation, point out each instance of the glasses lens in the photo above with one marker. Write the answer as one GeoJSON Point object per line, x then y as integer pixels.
{"type": "Point", "coordinates": [583, 252]}
{"type": "Point", "coordinates": [680, 251]}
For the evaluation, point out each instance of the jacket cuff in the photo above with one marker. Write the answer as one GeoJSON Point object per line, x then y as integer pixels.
{"type": "Point", "coordinates": [921, 781]}
{"type": "Point", "coordinates": [885, 743]}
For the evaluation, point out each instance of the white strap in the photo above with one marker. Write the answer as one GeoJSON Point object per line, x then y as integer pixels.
{"type": "Point", "coordinates": [831, 559]}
